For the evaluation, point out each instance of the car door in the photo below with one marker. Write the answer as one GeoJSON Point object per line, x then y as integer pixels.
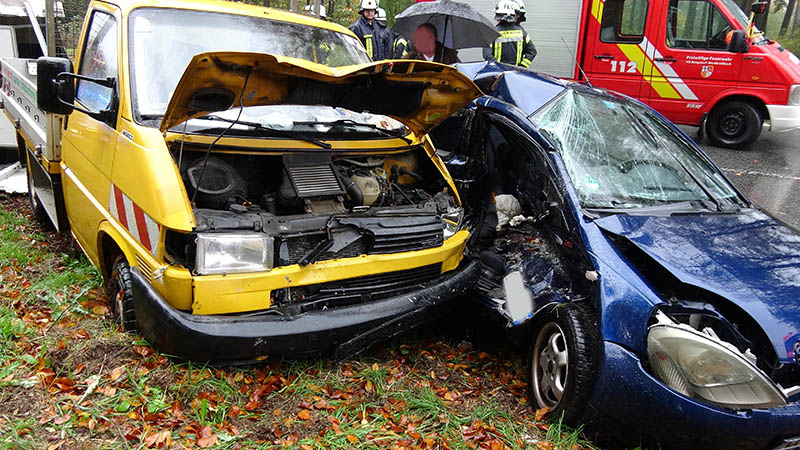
{"type": "Point", "coordinates": [88, 142]}
{"type": "Point", "coordinates": [692, 63]}
{"type": "Point", "coordinates": [616, 44]}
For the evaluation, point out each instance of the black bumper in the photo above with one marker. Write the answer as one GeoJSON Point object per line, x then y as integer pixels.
{"type": "Point", "coordinates": [342, 331]}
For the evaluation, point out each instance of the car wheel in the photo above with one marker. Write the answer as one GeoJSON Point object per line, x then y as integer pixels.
{"type": "Point", "coordinates": [119, 289]}
{"type": "Point", "coordinates": [36, 206]}
{"type": "Point", "coordinates": [734, 124]}
{"type": "Point", "coordinates": [562, 362]}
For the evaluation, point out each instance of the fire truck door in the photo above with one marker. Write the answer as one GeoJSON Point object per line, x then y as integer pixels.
{"type": "Point", "coordinates": [614, 38]}
{"type": "Point", "coordinates": [692, 61]}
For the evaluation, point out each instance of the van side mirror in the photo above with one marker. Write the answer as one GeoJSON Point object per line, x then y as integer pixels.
{"type": "Point", "coordinates": [54, 94]}
{"type": "Point", "coordinates": [738, 43]}
{"type": "Point", "coordinates": [759, 7]}
{"type": "Point", "coordinates": [55, 84]}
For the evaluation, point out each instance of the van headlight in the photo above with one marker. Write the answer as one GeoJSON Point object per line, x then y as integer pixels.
{"type": "Point", "coordinates": [704, 367]}
{"type": "Point", "coordinates": [453, 220]}
{"type": "Point", "coordinates": [794, 95]}
{"type": "Point", "coordinates": [233, 253]}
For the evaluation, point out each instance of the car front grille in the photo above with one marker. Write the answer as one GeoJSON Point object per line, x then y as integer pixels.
{"type": "Point", "coordinates": [356, 290]}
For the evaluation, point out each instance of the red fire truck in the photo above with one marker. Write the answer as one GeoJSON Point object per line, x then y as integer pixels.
{"type": "Point", "coordinates": [698, 62]}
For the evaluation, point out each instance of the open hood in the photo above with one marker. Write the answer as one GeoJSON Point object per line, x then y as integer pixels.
{"type": "Point", "coordinates": [418, 93]}
{"type": "Point", "coordinates": [748, 258]}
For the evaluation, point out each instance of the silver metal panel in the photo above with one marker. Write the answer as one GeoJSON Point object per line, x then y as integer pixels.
{"type": "Point", "coordinates": [547, 22]}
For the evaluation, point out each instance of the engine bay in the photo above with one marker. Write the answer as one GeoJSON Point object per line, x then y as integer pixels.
{"type": "Point", "coordinates": [317, 205]}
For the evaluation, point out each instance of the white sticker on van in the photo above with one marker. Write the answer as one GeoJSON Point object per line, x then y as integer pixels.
{"type": "Point", "coordinates": [794, 59]}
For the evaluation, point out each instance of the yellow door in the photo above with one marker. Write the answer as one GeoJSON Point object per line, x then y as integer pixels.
{"type": "Point", "coordinates": [89, 142]}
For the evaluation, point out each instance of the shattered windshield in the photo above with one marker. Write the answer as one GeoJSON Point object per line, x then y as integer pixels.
{"type": "Point", "coordinates": [163, 42]}
{"type": "Point", "coordinates": [278, 120]}
{"type": "Point", "coordinates": [621, 155]}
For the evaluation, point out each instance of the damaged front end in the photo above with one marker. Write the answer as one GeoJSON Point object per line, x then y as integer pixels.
{"type": "Point", "coordinates": [324, 221]}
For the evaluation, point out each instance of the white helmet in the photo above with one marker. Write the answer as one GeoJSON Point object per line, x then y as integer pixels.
{"type": "Point", "coordinates": [505, 10]}
{"type": "Point", "coordinates": [368, 4]}
{"type": "Point", "coordinates": [380, 16]}
{"type": "Point", "coordinates": [520, 10]}
{"type": "Point", "coordinates": [309, 9]}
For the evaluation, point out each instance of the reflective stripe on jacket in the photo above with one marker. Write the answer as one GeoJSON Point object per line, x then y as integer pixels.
{"type": "Point", "coordinates": [514, 46]}
{"type": "Point", "coordinates": [375, 38]}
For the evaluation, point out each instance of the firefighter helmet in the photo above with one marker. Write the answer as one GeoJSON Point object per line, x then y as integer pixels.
{"type": "Point", "coordinates": [380, 16]}
{"type": "Point", "coordinates": [506, 10]}
{"type": "Point", "coordinates": [368, 4]}
{"type": "Point", "coordinates": [520, 10]}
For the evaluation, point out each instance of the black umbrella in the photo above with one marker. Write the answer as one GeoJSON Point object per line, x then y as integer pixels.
{"type": "Point", "coordinates": [457, 24]}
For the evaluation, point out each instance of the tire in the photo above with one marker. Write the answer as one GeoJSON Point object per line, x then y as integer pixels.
{"type": "Point", "coordinates": [119, 290]}
{"type": "Point", "coordinates": [734, 124]}
{"type": "Point", "coordinates": [36, 206]}
{"type": "Point", "coordinates": [563, 361]}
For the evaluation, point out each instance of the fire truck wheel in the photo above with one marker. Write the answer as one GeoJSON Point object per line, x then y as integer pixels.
{"type": "Point", "coordinates": [119, 290]}
{"type": "Point", "coordinates": [734, 124]}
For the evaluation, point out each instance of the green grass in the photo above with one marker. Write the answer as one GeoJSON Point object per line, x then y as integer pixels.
{"type": "Point", "coordinates": [405, 393]}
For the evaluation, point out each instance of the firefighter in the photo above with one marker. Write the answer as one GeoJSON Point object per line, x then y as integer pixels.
{"type": "Point", "coordinates": [399, 43]}
{"type": "Point", "coordinates": [514, 46]}
{"type": "Point", "coordinates": [370, 32]}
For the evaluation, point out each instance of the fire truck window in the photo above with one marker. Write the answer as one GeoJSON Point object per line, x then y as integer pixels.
{"type": "Point", "coordinates": [623, 21]}
{"type": "Point", "coordinates": [696, 24]}
{"type": "Point", "coordinates": [99, 60]}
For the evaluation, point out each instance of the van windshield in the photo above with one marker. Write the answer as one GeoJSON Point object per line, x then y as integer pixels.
{"type": "Point", "coordinates": [737, 12]}
{"type": "Point", "coordinates": [621, 155]}
{"type": "Point", "coordinates": [163, 42]}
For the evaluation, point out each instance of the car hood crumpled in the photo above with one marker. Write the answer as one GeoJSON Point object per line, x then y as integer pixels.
{"type": "Point", "coordinates": [420, 94]}
{"type": "Point", "coordinates": [748, 258]}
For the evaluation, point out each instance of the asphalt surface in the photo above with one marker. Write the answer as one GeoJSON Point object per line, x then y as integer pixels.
{"type": "Point", "coordinates": [768, 173]}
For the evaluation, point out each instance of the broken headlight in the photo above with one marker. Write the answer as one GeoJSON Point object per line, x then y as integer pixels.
{"type": "Point", "coordinates": [700, 365]}
{"type": "Point", "coordinates": [453, 220]}
{"type": "Point", "coordinates": [233, 252]}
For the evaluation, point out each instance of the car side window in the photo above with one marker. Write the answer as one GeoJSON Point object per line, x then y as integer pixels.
{"type": "Point", "coordinates": [697, 24]}
{"type": "Point", "coordinates": [623, 21]}
{"type": "Point", "coordinates": [99, 60]}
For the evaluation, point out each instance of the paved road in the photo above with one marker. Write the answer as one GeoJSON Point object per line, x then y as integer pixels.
{"type": "Point", "coordinates": [768, 173]}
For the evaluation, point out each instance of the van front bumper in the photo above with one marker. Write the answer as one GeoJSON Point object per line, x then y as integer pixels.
{"type": "Point", "coordinates": [341, 331]}
{"type": "Point", "coordinates": [783, 117]}
{"type": "Point", "coordinates": [630, 404]}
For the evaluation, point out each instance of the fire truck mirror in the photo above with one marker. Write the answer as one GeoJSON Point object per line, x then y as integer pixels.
{"type": "Point", "coordinates": [738, 43]}
{"type": "Point", "coordinates": [759, 7]}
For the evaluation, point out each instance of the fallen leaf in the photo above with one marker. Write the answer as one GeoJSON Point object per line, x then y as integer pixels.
{"type": "Point", "coordinates": [352, 438]}
{"type": "Point", "coordinates": [540, 413]}
{"type": "Point", "coordinates": [304, 414]}
{"type": "Point", "coordinates": [545, 445]}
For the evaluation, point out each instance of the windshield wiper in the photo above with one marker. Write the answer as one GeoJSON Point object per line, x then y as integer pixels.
{"type": "Point", "coordinates": [258, 126]}
{"type": "Point", "coordinates": [656, 139]}
{"type": "Point", "coordinates": [342, 123]}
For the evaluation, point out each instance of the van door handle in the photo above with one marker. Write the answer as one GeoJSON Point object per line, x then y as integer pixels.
{"type": "Point", "coordinates": [668, 59]}
{"type": "Point", "coordinates": [605, 57]}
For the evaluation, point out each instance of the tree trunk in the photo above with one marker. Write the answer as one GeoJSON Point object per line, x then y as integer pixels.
{"type": "Point", "coordinates": [796, 25]}
{"type": "Point", "coordinates": [787, 18]}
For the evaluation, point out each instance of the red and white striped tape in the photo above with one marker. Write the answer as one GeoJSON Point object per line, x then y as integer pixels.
{"type": "Point", "coordinates": [141, 226]}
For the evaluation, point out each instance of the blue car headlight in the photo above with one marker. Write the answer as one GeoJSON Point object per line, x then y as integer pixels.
{"type": "Point", "coordinates": [700, 365]}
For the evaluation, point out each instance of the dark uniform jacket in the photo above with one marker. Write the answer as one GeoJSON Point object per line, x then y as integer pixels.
{"type": "Point", "coordinates": [514, 46]}
{"type": "Point", "coordinates": [377, 39]}
{"type": "Point", "coordinates": [444, 55]}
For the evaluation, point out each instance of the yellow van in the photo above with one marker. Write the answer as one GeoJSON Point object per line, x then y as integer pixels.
{"type": "Point", "coordinates": [246, 180]}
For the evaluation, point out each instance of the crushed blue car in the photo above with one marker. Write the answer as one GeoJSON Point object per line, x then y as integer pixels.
{"type": "Point", "coordinates": [656, 303]}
